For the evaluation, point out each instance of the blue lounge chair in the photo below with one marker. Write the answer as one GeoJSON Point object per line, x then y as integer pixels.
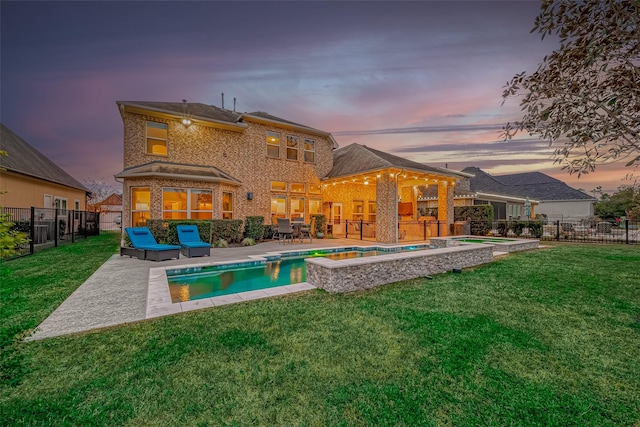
{"type": "Point", "coordinates": [190, 243]}
{"type": "Point", "coordinates": [145, 246]}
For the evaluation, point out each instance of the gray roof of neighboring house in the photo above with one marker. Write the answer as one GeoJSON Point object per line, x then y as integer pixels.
{"type": "Point", "coordinates": [534, 185]}
{"type": "Point", "coordinates": [178, 171]}
{"type": "Point", "coordinates": [25, 159]}
{"type": "Point", "coordinates": [355, 159]}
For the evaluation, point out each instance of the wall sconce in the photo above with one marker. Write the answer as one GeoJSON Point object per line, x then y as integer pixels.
{"type": "Point", "coordinates": [249, 196]}
{"type": "Point", "coordinates": [186, 121]}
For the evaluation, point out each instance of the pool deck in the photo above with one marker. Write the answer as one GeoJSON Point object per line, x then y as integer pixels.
{"type": "Point", "coordinates": [125, 290]}
{"type": "Point", "coordinates": [120, 291]}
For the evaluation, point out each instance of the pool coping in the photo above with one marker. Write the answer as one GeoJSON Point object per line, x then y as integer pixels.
{"type": "Point", "coordinates": [159, 298]}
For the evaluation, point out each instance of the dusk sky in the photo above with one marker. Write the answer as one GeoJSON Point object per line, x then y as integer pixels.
{"type": "Point", "coordinates": [422, 80]}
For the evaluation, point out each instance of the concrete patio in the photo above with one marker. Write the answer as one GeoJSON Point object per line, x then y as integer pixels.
{"type": "Point", "coordinates": [118, 292]}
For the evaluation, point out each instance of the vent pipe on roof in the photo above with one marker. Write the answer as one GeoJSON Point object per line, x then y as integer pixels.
{"type": "Point", "coordinates": [234, 104]}
{"type": "Point", "coordinates": [223, 100]}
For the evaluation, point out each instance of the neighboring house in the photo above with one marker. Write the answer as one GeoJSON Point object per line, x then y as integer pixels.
{"type": "Point", "coordinates": [28, 178]}
{"type": "Point", "coordinates": [110, 209]}
{"type": "Point", "coordinates": [550, 196]}
{"type": "Point", "coordinates": [111, 203]}
{"type": "Point", "coordinates": [191, 160]}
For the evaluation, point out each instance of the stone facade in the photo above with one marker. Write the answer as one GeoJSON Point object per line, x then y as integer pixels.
{"type": "Point", "coordinates": [349, 275]}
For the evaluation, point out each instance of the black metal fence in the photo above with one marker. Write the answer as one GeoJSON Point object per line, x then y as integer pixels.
{"type": "Point", "coordinates": [47, 228]}
{"type": "Point", "coordinates": [586, 230]}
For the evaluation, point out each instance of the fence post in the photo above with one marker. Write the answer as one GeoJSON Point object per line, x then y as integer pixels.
{"type": "Point", "coordinates": [558, 230]}
{"type": "Point", "coordinates": [361, 228]}
{"type": "Point", "coordinates": [626, 231]}
{"type": "Point", "coordinates": [424, 229]}
{"type": "Point", "coordinates": [346, 228]}
{"type": "Point", "coordinates": [32, 230]}
{"type": "Point", "coordinates": [55, 227]}
{"type": "Point", "coordinates": [72, 221]}
{"type": "Point", "coordinates": [438, 223]}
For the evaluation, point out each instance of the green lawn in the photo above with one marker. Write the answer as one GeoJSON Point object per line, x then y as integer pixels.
{"type": "Point", "coordinates": [549, 337]}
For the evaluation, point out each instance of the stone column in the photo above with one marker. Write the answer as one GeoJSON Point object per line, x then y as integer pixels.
{"type": "Point", "coordinates": [386, 209]}
{"type": "Point", "coordinates": [445, 206]}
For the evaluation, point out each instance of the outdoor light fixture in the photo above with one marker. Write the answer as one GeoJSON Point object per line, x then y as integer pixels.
{"type": "Point", "coordinates": [185, 116]}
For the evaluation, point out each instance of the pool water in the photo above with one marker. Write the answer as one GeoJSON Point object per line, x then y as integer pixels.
{"type": "Point", "coordinates": [205, 282]}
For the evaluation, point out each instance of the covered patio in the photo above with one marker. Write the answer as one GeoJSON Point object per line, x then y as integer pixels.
{"type": "Point", "coordinates": [373, 195]}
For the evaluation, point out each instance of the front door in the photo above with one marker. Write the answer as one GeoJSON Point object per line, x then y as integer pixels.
{"type": "Point", "coordinates": [336, 219]}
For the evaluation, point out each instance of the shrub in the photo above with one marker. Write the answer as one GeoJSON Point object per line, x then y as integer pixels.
{"type": "Point", "coordinates": [227, 229]}
{"type": "Point", "coordinates": [536, 228]}
{"type": "Point", "coordinates": [319, 224]}
{"type": "Point", "coordinates": [254, 228]}
{"type": "Point", "coordinates": [220, 243]}
{"type": "Point", "coordinates": [159, 229]}
{"type": "Point", "coordinates": [204, 229]}
{"type": "Point", "coordinates": [248, 241]}
{"type": "Point", "coordinates": [269, 231]}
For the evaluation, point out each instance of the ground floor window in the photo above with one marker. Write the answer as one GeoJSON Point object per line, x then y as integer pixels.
{"type": "Point", "coordinates": [186, 203]}
{"type": "Point", "coordinates": [278, 207]}
{"type": "Point", "coordinates": [140, 206]}
{"type": "Point", "coordinates": [358, 210]}
{"type": "Point", "coordinates": [315, 206]}
{"type": "Point", "coordinates": [372, 211]}
{"type": "Point", "coordinates": [297, 207]}
{"type": "Point", "coordinates": [227, 205]}
{"type": "Point", "coordinates": [60, 203]}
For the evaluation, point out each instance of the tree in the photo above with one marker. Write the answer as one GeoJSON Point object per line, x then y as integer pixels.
{"type": "Point", "coordinates": [584, 98]}
{"type": "Point", "coordinates": [624, 202]}
{"type": "Point", "coordinates": [99, 189]}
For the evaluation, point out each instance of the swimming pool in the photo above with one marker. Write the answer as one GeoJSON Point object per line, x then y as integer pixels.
{"type": "Point", "coordinates": [187, 284]}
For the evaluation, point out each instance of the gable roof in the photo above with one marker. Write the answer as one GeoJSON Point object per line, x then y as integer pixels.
{"type": "Point", "coordinates": [534, 185]}
{"type": "Point", "coordinates": [212, 114]}
{"type": "Point", "coordinates": [24, 159]}
{"type": "Point", "coordinates": [193, 109]}
{"type": "Point", "coordinates": [355, 159]}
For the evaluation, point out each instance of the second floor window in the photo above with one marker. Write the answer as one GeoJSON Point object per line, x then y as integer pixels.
{"type": "Point", "coordinates": [309, 151]}
{"type": "Point", "coordinates": [273, 145]}
{"type": "Point", "coordinates": [156, 138]}
{"type": "Point", "coordinates": [292, 147]}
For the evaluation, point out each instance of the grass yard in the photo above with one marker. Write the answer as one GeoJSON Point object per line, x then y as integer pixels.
{"type": "Point", "coordinates": [548, 337]}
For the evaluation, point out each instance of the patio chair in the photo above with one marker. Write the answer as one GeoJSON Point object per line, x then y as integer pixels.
{"type": "Point", "coordinates": [285, 229]}
{"type": "Point", "coordinates": [145, 246]}
{"type": "Point", "coordinates": [190, 243]}
{"type": "Point", "coordinates": [304, 231]}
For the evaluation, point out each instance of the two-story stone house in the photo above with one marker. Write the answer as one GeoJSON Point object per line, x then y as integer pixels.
{"type": "Point", "coordinates": [197, 161]}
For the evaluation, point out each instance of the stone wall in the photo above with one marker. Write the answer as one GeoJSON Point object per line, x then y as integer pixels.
{"type": "Point", "coordinates": [348, 275]}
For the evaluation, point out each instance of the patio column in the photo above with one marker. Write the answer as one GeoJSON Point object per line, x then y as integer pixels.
{"type": "Point", "coordinates": [445, 206]}
{"type": "Point", "coordinates": [386, 209]}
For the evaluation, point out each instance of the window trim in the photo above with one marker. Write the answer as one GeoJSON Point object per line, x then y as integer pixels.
{"type": "Point", "coordinates": [189, 211]}
{"type": "Point", "coordinates": [131, 204]}
{"type": "Point", "coordinates": [279, 190]}
{"type": "Point", "coordinates": [147, 138]}
{"type": "Point", "coordinates": [293, 138]}
{"type": "Point", "coordinates": [304, 156]}
{"type": "Point", "coordinates": [273, 144]}
{"type": "Point", "coordinates": [222, 210]}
